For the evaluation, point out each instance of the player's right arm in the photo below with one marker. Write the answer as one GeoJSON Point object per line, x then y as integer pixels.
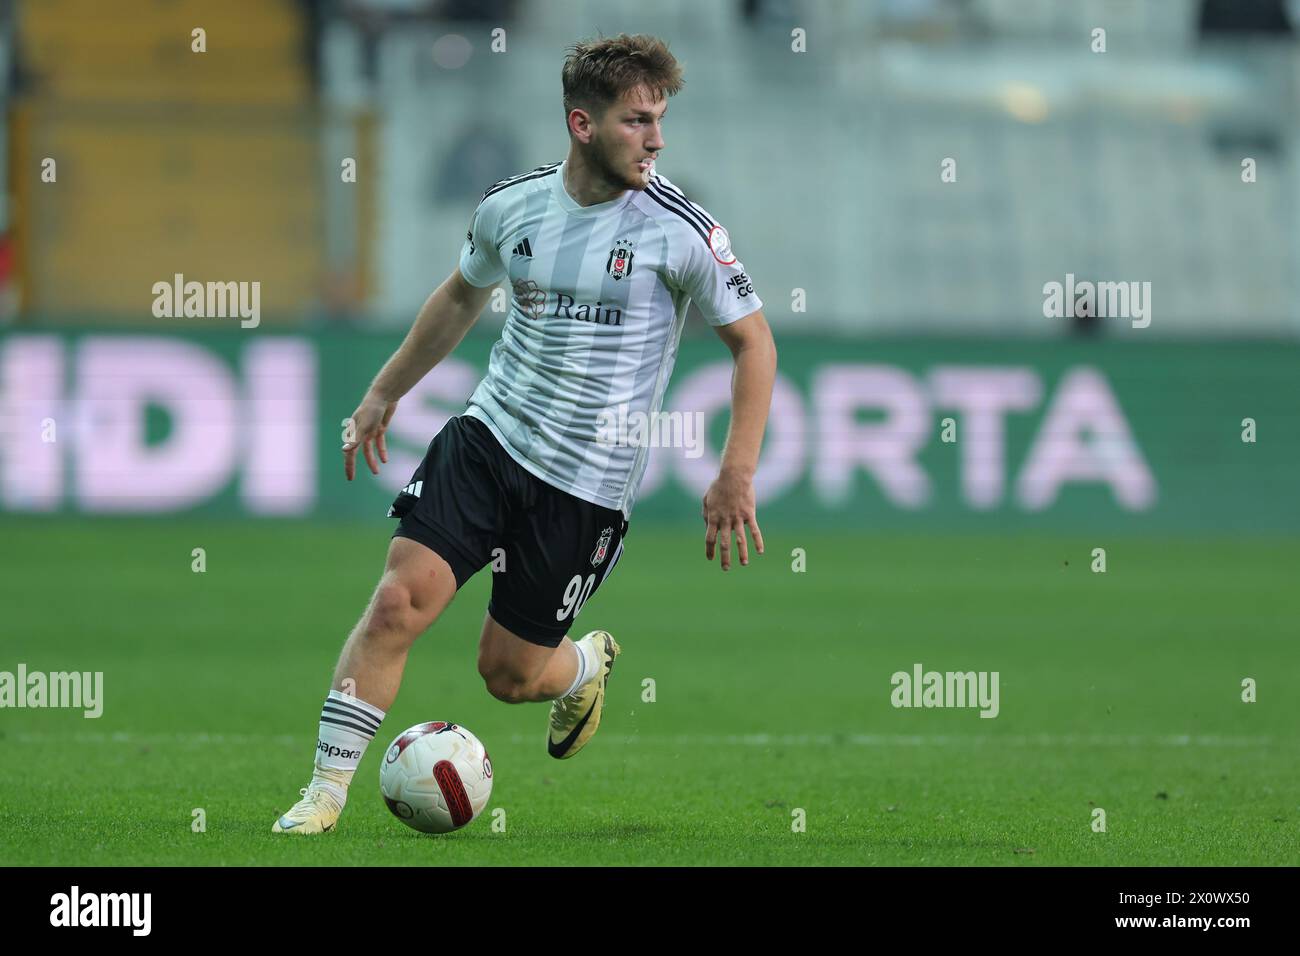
{"type": "Point", "coordinates": [441, 323]}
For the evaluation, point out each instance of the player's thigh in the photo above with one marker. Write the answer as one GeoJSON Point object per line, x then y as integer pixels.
{"type": "Point", "coordinates": [415, 588]}
{"type": "Point", "coordinates": [451, 506]}
{"type": "Point", "coordinates": [557, 556]}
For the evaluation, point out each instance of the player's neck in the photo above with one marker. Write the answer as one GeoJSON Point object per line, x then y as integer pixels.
{"type": "Point", "coordinates": [584, 186]}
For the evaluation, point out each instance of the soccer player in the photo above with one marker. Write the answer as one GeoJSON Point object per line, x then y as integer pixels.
{"type": "Point", "coordinates": [603, 255]}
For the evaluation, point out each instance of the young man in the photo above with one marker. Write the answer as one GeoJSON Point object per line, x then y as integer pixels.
{"type": "Point", "coordinates": [603, 256]}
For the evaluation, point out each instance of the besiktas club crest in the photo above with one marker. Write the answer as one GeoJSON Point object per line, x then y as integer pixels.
{"type": "Point", "coordinates": [602, 547]}
{"type": "Point", "coordinates": [619, 262]}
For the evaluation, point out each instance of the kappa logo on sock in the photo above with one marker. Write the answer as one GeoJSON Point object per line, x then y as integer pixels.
{"type": "Point", "coordinates": [329, 750]}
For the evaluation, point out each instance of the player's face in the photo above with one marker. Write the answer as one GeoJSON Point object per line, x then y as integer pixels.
{"type": "Point", "coordinates": [627, 139]}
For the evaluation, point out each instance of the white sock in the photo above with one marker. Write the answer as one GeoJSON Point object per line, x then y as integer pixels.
{"type": "Point", "coordinates": [347, 725]}
{"type": "Point", "coordinates": [588, 664]}
{"type": "Point", "coordinates": [333, 782]}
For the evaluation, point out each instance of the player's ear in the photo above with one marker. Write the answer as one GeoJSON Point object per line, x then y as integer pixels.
{"type": "Point", "coordinates": [580, 123]}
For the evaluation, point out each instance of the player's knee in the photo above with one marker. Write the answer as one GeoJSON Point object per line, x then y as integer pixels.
{"type": "Point", "coordinates": [486, 666]}
{"type": "Point", "coordinates": [393, 614]}
{"type": "Point", "coordinates": [505, 685]}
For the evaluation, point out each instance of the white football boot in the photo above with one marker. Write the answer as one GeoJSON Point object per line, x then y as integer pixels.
{"type": "Point", "coordinates": [574, 719]}
{"type": "Point", "coordinates": [317, 812]}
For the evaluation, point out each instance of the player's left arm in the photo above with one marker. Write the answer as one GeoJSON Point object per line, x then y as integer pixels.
{"type": "Point", "coordinates": [728, 506]}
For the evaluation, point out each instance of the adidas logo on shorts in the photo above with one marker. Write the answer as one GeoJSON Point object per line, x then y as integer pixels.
{"type": "Point", "coordinates": [413, 489]}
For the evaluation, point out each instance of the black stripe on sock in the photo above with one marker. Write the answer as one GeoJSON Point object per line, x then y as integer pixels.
{"type": "Point", "coordinates": [350, 718]}
{"type": "Point", "coordinates": [369, 734]}
{"type": "Point", "coordinates": [352, 710]}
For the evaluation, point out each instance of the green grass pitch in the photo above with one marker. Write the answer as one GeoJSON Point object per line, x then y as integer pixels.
{"type": "Point", "coordinates": [772, 690]}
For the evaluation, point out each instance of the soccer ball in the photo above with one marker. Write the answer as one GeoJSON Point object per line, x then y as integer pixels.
{"type": "Point", "coordinates": [436, 777]}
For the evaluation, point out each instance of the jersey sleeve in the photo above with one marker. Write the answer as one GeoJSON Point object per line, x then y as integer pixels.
{"type": "Point", "coordinates": [480, 260]}
{"type": "Point", "coordinates": [715, 279]}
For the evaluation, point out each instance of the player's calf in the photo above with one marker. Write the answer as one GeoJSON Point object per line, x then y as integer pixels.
{"type": "Point", "coordinates": [515, 679]}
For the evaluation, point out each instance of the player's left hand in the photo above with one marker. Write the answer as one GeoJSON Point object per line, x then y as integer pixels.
{"type": "Point", "coordinates": [728, 509]}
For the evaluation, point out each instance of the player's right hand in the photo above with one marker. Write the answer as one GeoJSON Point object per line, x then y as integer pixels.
{"type": "Point", "coordinates": [368, 424]}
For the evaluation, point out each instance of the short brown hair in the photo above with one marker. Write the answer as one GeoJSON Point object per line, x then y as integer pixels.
{"type": "Point", "coordinates": [598, 72]}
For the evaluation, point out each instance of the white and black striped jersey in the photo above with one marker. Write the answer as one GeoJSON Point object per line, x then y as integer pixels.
{"type": "Point", "coordinates": [599, 297]}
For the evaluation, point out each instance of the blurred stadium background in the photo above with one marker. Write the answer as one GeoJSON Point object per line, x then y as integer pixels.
{"type": "Point", "coordinates": [1122, 166]}
{"type": "Point", "coordinates": [898, 300]}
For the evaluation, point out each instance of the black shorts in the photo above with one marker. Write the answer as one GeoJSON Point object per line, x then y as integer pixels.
{"type": "Point", "coordinates": [473, 504]}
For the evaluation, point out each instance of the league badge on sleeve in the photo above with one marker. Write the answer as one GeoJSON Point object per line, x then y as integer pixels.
{"type": "Point", "coordinates": [720, 243]}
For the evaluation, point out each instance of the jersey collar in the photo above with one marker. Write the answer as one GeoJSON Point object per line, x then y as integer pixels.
{"type": "Point", "coordinates": [570, 205]}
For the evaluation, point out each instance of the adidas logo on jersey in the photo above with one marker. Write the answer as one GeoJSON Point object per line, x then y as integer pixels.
{"type": "Point", "coordinates": [413, 488]}
{"type": "Point", "coordinates": [522, 248]}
